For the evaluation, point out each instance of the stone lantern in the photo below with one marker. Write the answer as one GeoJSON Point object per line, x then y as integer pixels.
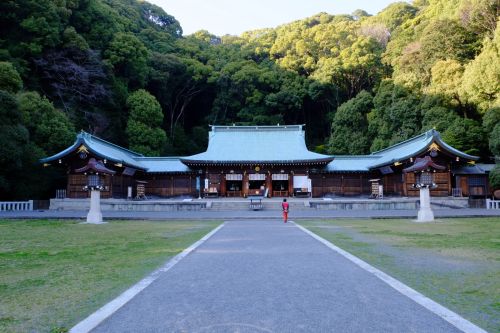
{"type": "Point", "coordinates": [95, 171]}
{"type": "Point", "coordinates": [424, 181]}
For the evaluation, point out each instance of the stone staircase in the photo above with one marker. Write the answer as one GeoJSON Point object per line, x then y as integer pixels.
{"type": "Point", "coordinates": [241, 205]}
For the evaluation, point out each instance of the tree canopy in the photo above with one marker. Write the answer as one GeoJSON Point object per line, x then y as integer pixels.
{"type": "Point", "coordinates": [123, 70]}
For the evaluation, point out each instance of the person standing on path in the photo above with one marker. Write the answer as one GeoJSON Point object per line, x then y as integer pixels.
{"type": "Point", "coordinates": [285, 206]}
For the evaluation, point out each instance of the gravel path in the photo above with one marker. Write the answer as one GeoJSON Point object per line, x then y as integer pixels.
{"type": "Point", "coordinates": [265, 276]}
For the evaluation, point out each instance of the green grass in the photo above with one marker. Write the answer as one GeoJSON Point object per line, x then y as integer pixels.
{"type": "Point", "coordinates": [454, 261]}
{"type": "Point", "coordinates": [55, 273]}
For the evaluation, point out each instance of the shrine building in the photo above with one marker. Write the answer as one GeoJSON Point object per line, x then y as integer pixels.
{"type": "Point", "coordinates": [271, 161]}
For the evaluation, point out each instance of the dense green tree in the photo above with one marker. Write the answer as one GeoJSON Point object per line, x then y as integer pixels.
{"type": "Point", "coordinates": [446, 81]}
{"type": "Point", "coordinates": [466, 135]}
{"type": "Point", "coordinates": [129, 58]}
{"type": "Point", "coordinates": [428, 64]}
{"type": "Point", "coordinates": [15, 139]}
{"type": "Point", "coordinates": [495, 177]}
{"type": "Point", "coordinates": [491, 119]}
{"type": "Point", "coordinates": [394, 15]}
{"type": "Point", "coordinates": [481, 79]}
{"type": "Point", "coordinates": [396, 115]}
{"type": "Point", "coordinates": [30, 26]}
{"type": "Point", "coordinates": [143, 127]}
{"type": "Point", "coordinates": [495, 140]}
{"type": "Point", "coordinates": [50, 128]}
{"type": "Point", "coordinates": [10, 80]}
{"type": "Point", "coordinates": [446, 39]}
{"type": "Point", "coordinates": [350, 126]}
{"type": "Point", "coordinates": [439, 118]}
{"type": "Point", "coordinates": [355, 68]}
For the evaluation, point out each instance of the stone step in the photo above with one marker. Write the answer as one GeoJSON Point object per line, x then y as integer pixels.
{"type": "Point", "coordinates": [274, 205]}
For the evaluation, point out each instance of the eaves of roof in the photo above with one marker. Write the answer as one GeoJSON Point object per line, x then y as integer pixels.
{"type": "Point", "coordinates": [100, 148]}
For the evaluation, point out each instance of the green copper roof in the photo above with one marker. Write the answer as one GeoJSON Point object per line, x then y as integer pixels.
{"type": "Point", "coordinates": [100, 148]}
{"type": "Point", "coordinates": [260, 144]}
{"type": "Point", "coordinates": [343, 163]}
{"type": "Point", "coordinates": [162, 164]}
{"type": "Point", "coordinates": [256, 144]}
{"type": "Point", "coordinates": [415, 146]}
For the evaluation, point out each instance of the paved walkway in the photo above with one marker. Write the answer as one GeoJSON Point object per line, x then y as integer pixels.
{"type": "Point", "coordinates": [266, 276]}
{"type": "Point", "coordinates": [250, 214]}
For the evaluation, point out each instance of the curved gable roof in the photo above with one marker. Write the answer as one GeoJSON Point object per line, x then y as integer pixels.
{"type": "Point", "coordinates": [100, 148]}
{"type": "Point", "coordinates": [415, 146]}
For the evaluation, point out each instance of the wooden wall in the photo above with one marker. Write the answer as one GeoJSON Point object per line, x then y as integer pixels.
{"type": "Point", "coordinates": [76, 183]}
{"type": "Point", "coordinates": [441, 179]}
{"type": "Point", "coordinates": [339, 184]}
{"type": "Point", "coordinates": [170, 185]}
{"type": "Point", "coordinates": [352, 184]}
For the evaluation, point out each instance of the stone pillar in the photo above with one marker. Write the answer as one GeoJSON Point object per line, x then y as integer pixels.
{"type": "Point", "coordinates": [95, 216]}
{"type": "Point", "coordinates": [425, 213]}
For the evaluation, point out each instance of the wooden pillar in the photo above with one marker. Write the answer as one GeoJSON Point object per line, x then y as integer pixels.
{"type": "Point", "coordinates": [360, 184]}
{"type": "Point", "coordinates": [124, 193]}
{"type": "Point", "coordinates": [449, 181]}
{"type": "Point", "coordinates": [223, 185]}
{"type": "Point", "coordinates": [269, 183]}
{"type": "Point", "coordinates": [171, 185]}
{"type": "Point", "coordinates": [342, 185]}
{"type": "Point", "coordinates": [386, 185]}
{"type": "Point", "coordinates": [405, 186]}
{"type": "Point", "coordinates": [290, 183]}
{"type": "Point", "coordinates": [190, 185]}
{"type": "Point", "coordinates": [110, 186]}
{"type": "Point", "coordinates": [68, 192]}
{"type": "Point", "coordinates": [245, 184]}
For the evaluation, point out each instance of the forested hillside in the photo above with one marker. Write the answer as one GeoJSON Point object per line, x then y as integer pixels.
{"type": "Point", "coordinates": [122, 70]}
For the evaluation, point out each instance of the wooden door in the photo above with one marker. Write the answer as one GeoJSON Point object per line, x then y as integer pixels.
{"type": "Point", "coordinates": [464, 185]}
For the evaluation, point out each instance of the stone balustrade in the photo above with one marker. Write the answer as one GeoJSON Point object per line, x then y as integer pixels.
{"type": "Point", "coordinates": [16, 205]}
{"type": "Point", "coordinates": [492, 204]}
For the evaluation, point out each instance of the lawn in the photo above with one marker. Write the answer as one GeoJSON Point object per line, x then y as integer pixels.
{"type": "Point", "coordinates": [55, 273]}
{"type": "Point", "coordinates": [455, 261]}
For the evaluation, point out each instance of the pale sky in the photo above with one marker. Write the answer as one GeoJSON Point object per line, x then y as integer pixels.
{"type": "Point", "coordinates": [233, 17]}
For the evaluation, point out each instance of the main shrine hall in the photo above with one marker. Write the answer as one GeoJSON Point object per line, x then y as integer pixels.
{"type": "Point", "coordinates": [270, 161]}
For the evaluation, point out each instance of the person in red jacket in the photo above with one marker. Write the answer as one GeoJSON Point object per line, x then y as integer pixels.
{"type": "Point", "coordinates": [285, 207]}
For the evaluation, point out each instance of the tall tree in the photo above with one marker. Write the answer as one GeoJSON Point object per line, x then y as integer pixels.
{"type": "Point", "coordinates": [10, 80]}
{"type": "Point", "coordinates": [481, 80]}
{"type": "Point", "coordinates": [350, 126]}
{"type": "Point", "coordinates": [396, 115]}
{"type": "Point", "coordinates": [129, 58]}
{"type": "Point", "coordinates": [467, 136]}
{"type": "Point", "coordinates": [144, 124]}
{"type": "Point", "coordinates": [50, 128]}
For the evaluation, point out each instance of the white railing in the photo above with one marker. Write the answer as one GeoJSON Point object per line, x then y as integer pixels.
{"type": "Point", "coordinates": [492, 204]}
{"type": "Point", "coordinates": [61, 194]}
{"type": "Point", "coordinates": [16, 205]}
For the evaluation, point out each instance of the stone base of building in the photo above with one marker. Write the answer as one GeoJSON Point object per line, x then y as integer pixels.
{"type": "Point", "coordinates": [223, 204]}
{"type": "Point", "coordinates": [129, 205]}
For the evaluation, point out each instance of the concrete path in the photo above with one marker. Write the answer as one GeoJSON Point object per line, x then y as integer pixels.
{"type": "Point", "coordinates": [250, 214]}
{"type": "Point", "coordinates": [266, 276]}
